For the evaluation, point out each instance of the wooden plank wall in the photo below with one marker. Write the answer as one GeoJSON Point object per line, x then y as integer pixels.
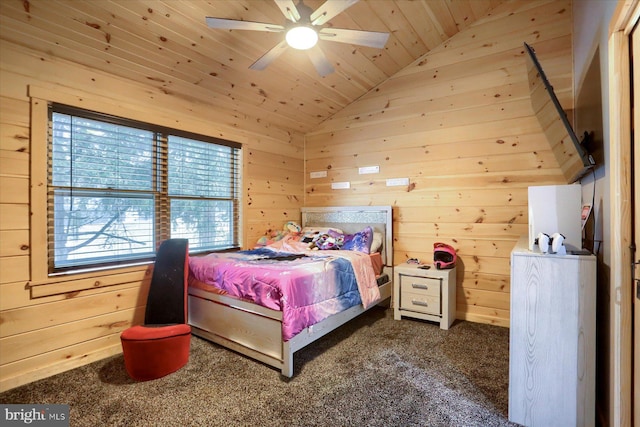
{"type": "Point", "coordinates": [459, 124]}
{"type": "Point", "coordinates": [53, 327]}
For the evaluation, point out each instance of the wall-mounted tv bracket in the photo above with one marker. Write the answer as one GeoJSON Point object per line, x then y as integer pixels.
{"type": "Point", "coordinates": [587, 143]}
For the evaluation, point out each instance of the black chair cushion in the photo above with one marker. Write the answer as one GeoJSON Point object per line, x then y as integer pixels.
{"type": "Point", "coordinates": [166, 303]}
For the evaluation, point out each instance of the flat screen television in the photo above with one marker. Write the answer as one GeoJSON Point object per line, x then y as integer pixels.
{"type": "Point", "coordinates": [571, 154]}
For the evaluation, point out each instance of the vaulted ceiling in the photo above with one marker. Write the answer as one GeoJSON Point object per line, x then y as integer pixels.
{"type": "Point", "coordinates": [167, 44]}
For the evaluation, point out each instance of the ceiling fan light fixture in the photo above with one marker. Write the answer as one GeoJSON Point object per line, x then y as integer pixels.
{"type": "Point", "coordinates": [302, 30]}
{"type": "Point", "coordinates": [301, 37]}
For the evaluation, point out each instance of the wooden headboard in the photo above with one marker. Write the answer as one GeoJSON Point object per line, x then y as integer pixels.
{"type": "Point", "coordinates": [351, 219]}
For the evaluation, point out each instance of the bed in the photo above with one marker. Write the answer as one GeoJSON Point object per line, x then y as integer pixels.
{"type": "Point", "coordinates": [264, 333]}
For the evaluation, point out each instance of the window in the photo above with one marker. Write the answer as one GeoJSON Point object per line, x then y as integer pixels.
{"type": "Point", "coordinates": [118, 187]}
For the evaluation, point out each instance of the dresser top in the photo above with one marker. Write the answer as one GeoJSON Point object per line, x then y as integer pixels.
{"type": "Point", "coordinates": [522, 248]}
{"type": "Point", "coordinates": [415, 270]}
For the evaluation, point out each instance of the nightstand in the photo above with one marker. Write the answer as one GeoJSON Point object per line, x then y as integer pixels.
{"type": "Point", "coordinates": [424, 294]}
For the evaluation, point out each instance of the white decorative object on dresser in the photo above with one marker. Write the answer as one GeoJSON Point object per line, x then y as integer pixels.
{"type": "Point", "coordinates": [427, 294]}
{"type": "Point", "coordinates": [552, 338]}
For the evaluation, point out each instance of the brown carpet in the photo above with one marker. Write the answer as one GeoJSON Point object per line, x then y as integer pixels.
{"type": "Point", "coordinates": [374, 371]}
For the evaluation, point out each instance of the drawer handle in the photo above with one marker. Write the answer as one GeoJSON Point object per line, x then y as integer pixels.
{"type": "Point", "coordinates": [419, 286]}
{"type": "Point", "coordinates": [418, 302]}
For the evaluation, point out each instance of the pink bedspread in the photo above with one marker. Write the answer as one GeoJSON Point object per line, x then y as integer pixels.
{"type": "Point", "coordinates": [307, 286]}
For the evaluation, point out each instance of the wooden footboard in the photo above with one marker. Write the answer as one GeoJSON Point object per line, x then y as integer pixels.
{"type": "Point", "coordinates": [256, 331]}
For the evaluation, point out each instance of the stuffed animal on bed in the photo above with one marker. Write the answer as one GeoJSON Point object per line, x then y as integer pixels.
{"type": "Point", "coordinates": [289, 228]}
{"type": "Point", "coordinates": [292, 227]}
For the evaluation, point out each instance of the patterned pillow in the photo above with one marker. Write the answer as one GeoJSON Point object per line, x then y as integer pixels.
{"type": "Point", "coordinates": [360, 241]}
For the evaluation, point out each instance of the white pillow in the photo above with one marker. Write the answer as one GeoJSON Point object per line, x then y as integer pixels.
{"type": "Point", "coordinates": [376, 242]}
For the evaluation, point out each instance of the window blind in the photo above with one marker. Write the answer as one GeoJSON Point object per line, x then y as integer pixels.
{"type": "Point", "coordinates": [203, 193]}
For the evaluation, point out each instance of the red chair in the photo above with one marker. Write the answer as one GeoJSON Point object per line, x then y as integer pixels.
{"type": "Point", "coordinates": [161, 345]}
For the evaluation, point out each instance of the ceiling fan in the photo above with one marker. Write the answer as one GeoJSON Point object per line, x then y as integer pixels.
{"type": "Point", "coordinates": [302, 30]}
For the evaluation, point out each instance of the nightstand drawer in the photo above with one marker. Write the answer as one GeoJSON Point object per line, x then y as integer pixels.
{"type": "Point", "coordinates": [421, 303]}
{"type": "Point", "coordinates": [424, 286]}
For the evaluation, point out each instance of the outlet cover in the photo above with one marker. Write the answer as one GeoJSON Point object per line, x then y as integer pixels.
{"type": "Point", "coordinates": [318, 174]}
{"type": "Point", "coordinates": [368, 169]}
{"type": "Point", "coordinates": [397, 181]}
{"type": "Point", "coordinates": [340, 185]}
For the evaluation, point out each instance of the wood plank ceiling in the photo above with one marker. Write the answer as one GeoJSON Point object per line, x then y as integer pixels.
{"type": "Point", "coordinates": [167, 44]}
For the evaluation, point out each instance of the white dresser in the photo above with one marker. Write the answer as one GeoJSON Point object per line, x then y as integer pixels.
{"type": "Point", "coordinates": [552, 339]}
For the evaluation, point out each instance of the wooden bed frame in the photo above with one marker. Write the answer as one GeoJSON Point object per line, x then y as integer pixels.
{"type": "Point", "coordinates": [256, 331]}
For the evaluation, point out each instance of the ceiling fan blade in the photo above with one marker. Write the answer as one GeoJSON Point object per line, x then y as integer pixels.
{"type": "Point", "coordinates": [322, 64]}
{"type": "Point", "coordinates": [357, 37]}
{"type": "Point", "coordinates": [268, 57]}
{"type": "Point", "coordinates": [235, 24]}
{"type": "Point", "coordinates": [288, 9]}
{"type": "Point", "coordinates": [329, 9]}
